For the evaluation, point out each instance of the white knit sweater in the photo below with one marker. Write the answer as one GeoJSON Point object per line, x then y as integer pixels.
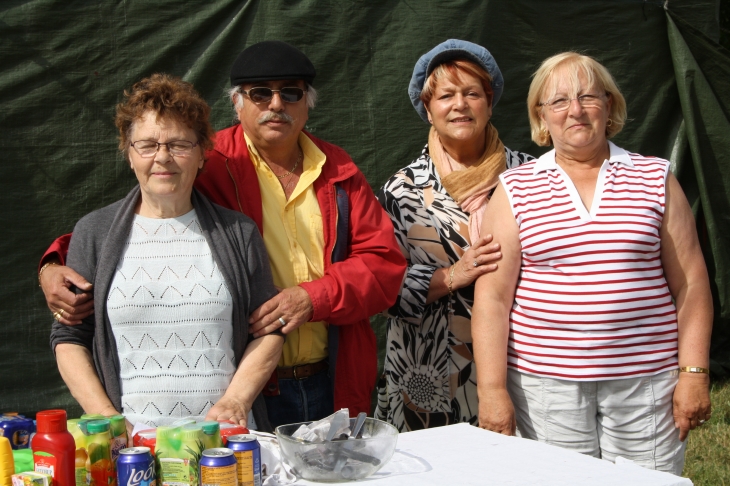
{"type": "Point", "coordinates": [170, 311]}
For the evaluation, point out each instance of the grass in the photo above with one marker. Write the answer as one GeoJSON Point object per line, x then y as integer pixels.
{"type": "Point", "coordinates": [707, 462]}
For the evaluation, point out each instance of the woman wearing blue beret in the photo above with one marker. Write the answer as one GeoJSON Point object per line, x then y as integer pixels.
{"type": "Point", "coordinates": [436, 205]}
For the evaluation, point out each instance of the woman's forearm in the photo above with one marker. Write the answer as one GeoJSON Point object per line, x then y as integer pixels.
{"type": "Point", "coordinates": [259, 360]}
{"type": "Point", "coordinates": [439, 285]}
{"type": "Point", "coordinates": [77, 370]}
{"type": "Point", "coordinates": [490, 332]}
{"type": "Point", "coordinates": [694, 317]}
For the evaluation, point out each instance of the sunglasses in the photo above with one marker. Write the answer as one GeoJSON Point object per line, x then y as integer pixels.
{"type": "Point", "coordinates": [264, 95]}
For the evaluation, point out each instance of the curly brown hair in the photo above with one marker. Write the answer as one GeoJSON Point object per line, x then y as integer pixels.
{"type": "Point", "coordinates": [172, 99]}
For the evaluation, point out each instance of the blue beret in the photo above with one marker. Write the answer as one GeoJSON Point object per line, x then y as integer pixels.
{"type": "Point", "coordinates": [450, 50]}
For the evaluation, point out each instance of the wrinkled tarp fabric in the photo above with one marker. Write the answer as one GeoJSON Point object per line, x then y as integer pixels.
{"type": "Point", "coordinates": [65, 65]}
{"type": "Point", "coordinates": [702, 70]}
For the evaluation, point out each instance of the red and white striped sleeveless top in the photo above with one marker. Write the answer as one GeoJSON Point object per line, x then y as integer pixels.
{"type": "Point", "coordinates": [591, 302]}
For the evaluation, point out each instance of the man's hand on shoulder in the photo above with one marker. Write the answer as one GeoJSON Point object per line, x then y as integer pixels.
{"type": "Point", "coordinates": [292, 306]}
{"type": "Point", "coordinates": [67, 306]}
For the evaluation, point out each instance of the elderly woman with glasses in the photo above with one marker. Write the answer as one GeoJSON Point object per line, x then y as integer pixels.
{"type": "Point", "coordinates": [175, 279]}
{"type": "Point", "coordinates": [593, 334]}
{"type": "Point", "coordinates": [436, 205]}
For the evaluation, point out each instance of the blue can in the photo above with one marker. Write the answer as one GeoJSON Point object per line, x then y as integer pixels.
{"type": "Point", "coordinates": [247, 450]}
{"type": "Point", "coordinates": [218, 467]}
{"type": "Point", "coordinates": [135, 467]}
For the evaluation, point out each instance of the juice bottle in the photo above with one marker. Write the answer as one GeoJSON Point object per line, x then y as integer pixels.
{"type": "Point", "coordinates": [178, 451]}
{"type": "Point", "coordinates": [212, 431]}
{"type": "Point", "coordinates": [54, 447]}
{"type": "Point", "coordinates": [81, 472]}
{"type": "Point", "coordinates": [7, 463]}
{"type": "Point", "coordinates": [98, 447]}
{"type": "Point", "coordinates": [119, 435]}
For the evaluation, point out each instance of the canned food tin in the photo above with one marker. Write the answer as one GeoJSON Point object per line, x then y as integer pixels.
{"type": "Point", "coordinates": [218, 468]}
{"type": "Point", "coordinates": [248, 456]}
{"type": "Point", "coordinates": [135, 467]}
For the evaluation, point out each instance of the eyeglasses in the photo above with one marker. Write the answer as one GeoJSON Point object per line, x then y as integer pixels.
{"type": "Point", "coordinates": [586, 101]}
{"type": "Point", "coordinates": [261, 94]}
{"type": "Point", "coordinates": [177, 148]}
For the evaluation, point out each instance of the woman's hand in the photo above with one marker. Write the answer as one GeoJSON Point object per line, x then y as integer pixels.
{"type": "Point", "coordinates": [479, 259]}
{"type": "Point", "coordinates": [496, 412]}
{"type": "Point", "coordinates": [691, 402]}
{"type": "Point", "coordinates": [229, 408]}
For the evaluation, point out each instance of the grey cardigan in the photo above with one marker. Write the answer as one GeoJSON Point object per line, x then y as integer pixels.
{"type": "Point", "coordinates": [94, 252]}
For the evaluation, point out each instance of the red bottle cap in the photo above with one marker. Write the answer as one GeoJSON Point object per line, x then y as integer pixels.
{"type": "Point", "coordinates": [50, 421]}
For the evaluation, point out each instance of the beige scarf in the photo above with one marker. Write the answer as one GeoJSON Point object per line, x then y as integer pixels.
{"type": "Point", "coordinates": [470, 186]}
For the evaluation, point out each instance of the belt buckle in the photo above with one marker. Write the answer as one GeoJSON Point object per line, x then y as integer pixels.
{"type": "Point", "coordinates": [294, 372]}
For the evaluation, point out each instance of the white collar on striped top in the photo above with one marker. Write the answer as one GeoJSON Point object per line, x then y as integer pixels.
{"type": "Point", "coordinates": [547, 160]}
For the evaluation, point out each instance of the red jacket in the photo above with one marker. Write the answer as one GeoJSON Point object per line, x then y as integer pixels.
{"type": "Point", "coordinates": [364, 268]}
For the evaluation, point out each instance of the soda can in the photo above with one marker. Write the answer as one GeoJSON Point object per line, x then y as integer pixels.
{"type": "Point", "coordinates": [248, 456]}
{"type": "Point", "coordinates": [218, 467]}
{"type": "Point", "coordinates": [135, 467]}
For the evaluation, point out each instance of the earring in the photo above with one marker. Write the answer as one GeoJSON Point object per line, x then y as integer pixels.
{"type": "Point", "coordinates": [609, 122]}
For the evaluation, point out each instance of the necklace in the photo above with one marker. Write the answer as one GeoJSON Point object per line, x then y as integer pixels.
{"type": "Point", "coordinates": [296, 164]}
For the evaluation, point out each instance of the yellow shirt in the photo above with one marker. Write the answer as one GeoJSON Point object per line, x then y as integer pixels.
{"type": "Point", "coordinates": [294, 239]}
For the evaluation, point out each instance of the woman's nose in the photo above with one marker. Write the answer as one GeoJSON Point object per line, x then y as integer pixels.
{"type": "Point", "coordinates": [459, 101]}
{"type": "Point", "coordinates": [163, 155]}
{"type": "Point", "coordinates": [575, 108]}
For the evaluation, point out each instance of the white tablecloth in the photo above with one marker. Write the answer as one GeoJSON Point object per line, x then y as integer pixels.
{"type": "Point", "coordinates": [465, 455]}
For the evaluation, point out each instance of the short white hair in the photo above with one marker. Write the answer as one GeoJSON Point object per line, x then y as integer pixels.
{"type": "Point", "coordinates": [236, 97]}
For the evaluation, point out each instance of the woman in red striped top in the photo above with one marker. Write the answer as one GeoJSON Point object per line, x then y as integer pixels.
{"type": "Point", "coordinates": [594, 332]}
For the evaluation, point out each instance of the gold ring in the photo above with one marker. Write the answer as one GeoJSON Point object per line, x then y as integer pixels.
{"type": "Point", "coordinates": [60, 311]}
{"type": "Point", "coordinates": [57, 315]}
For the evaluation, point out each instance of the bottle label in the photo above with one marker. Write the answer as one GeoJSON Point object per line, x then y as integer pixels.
{"type": "Point", "coordinates": [45, 463]}
{"type": "Point", "coordinates": [81, 476]}
{"type": "Point", "coordinates": [118, 443]}
{"type": "Point", "coordinates": [176, 472]}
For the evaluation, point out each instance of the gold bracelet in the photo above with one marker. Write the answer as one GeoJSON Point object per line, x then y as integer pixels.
{"type": "Point", "coordinates": [451, 279]}
{"type": "Point", "coordinates": [694, 369]}
{"type": "Point", "coordinates": [40, 272]}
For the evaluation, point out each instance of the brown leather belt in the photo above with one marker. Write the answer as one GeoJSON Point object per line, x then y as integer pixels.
{"type": "Point", "coordinates": [301, 371]}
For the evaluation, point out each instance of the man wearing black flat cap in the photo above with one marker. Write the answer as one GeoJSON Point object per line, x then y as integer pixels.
{"type": "Point", "coordinates": [331, 247]}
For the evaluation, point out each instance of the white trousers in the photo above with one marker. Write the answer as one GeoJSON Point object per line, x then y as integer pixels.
{"type": "Point", "coordinates": [629, 417]}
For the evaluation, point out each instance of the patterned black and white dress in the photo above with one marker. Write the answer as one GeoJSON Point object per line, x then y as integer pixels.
{"type": "Point", "coordinates": [429, 378]}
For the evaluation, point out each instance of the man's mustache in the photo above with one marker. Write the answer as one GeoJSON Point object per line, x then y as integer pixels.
{"type": "Point", "coordinates": [273, 116]}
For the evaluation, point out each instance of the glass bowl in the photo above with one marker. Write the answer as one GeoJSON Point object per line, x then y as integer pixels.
{"type": "Point", "coordinates": [338, 460]}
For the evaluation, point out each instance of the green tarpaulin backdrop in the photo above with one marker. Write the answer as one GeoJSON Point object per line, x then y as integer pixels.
{"type": "Point", "coordinates": [65, 64]}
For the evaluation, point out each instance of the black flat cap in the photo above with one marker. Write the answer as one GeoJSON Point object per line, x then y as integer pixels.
{"type": "Point", "coordinates": [271, 61]}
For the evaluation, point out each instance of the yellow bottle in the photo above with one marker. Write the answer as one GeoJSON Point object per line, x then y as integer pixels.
{"type": "Point", "coordinates": [7, 464]}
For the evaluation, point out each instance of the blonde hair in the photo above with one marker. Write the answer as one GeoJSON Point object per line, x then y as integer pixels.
{"type": "Point", "coordinates": [573, 64]}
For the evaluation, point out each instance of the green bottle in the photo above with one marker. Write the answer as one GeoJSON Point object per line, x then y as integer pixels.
{"type": "Point", "coordinates": [212, 431]}
{"type": "Point", "coordinates": [98, 446]}
{"type": "Point", "coordinates": [178, 451]}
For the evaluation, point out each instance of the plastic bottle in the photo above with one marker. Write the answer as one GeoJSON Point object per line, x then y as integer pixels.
{"type": "Point", "coordinates": [212, 431]}
{"type": "Point", "coordinates": [7, 464]}
{"type": "Point", "coordinates": [178, 451]}
{"type": "Point", "coordinates": [98, 447]}
{"type": "Point", "coordinates": [54, 447]}
{"type": "Point", "coordinates": [119, 435]}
